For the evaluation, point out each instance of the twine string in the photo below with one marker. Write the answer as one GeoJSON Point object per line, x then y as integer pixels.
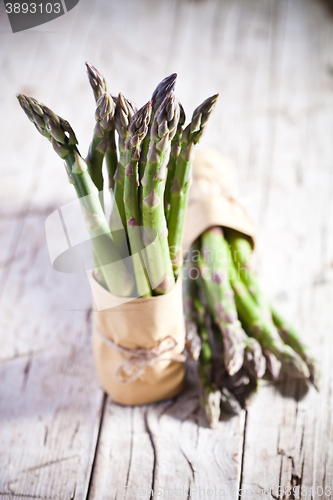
{"type": "Point", "coordinates": [137, 360]}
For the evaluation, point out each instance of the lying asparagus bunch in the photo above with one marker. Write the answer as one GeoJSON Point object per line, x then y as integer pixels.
{"type": "Point", "coordinates": [270, 319]}
{"type": "Point", "coordinates": [248, 336]}
{"type": "Point", "coordinates": [149, 175]}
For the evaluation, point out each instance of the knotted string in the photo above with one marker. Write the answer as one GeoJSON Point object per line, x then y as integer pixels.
{"type": "Point", "coordinates": [138, 359]}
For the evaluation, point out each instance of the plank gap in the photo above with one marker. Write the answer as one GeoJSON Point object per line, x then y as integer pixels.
{"type": "Point", "coordinates": [96, 445]}
{"type": "Point", "coordinates": [242, 458]}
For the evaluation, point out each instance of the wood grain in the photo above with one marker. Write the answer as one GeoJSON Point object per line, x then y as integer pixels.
{"type": "Point", "coordinates": [272, 63]}
{"type": "Point", "coordinates": [167, 448]}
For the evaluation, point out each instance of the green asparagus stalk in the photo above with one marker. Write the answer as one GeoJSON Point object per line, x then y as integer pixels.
{"type": "Point", "coordinates": [111, 157]}
{"type": "Point", "coordinates": [163, 130]}
{"type": "Point", "coordinates": [262, 329]}
{"type": "Point", "coordinates": [178, 204]}
{"type": "Point", "coordinates": [210, 393]}
{"type": "Point", "coordinates": [98, 85]}
{"type": "Point", "coordinates": [213, 268]}
{"type": "Point", "coordinates": [182, 180]}
{"type": "Point", "coordinates": [64, 142]}
{"type": "Point", "coordinates": [164, 88]}
{"type": "Point", "coordinates": [192, 338]}
{"type": "Point", "coordinates": [174, 153]}
{"type": "Point", "coordinates": [193, 132]}
{"type": "Point", "coordinates": [136, 133]}
{"type": "Point", "coordinates": [222, 380]}
{"type": "Point", "coordinates": [242, 254]}
{"type": "Point", "coordinates": [291, 338]}
{"type": "Point", "coordinates": [104, 115]}
{"type": "Point", "coordinates": [124, 112]}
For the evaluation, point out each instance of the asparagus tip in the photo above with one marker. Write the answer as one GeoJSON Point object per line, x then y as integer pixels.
{"type": "Point", "coordinates": [166, 86]}
{"type": "Point", "coordinates": [96, 80]}
{"type": "Point", "coordinates": [211, 402]}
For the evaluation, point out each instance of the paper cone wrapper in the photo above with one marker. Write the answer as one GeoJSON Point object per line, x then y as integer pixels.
{"type": "Point", "coordinates": [137, 346]}
{"type": "Point", "coordinates": [213, 198]}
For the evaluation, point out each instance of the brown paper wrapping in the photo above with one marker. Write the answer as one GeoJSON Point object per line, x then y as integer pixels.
{"type": "Point", "coordinates": [153, 323]}
{"type": "Point", "coordinates": [213, 198]}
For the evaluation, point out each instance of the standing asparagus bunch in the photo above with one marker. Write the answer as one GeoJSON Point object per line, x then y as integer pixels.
{"type": "Point", "coordinates": [149, 142]}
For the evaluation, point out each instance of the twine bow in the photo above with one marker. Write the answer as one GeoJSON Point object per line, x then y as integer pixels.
{"type": "Point", "coordinates": [138, 359]}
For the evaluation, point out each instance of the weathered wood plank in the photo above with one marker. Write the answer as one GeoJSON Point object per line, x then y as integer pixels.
{"type": "Point", "coordinates": [288, 433]}
{"type": "Point", "coordinates": [50, 406]}
{"type": "Point", "coordinates": [167, 448]}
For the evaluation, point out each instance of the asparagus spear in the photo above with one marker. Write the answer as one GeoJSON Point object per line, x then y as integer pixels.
{"type": "Point", "coordinates": [218, 378]}
{"type": "Point", "coordinates": [254, 360]}
{"type": "Point", "coordinates": [164, 88]}
{"type": "Point", "coordinates": [213, 268]}
{"type": "Point", "coordinates": [174, 153]}
{"type": "Point", "coordinates": [98, 85]}
{"type": "Point", "coordinates": [178, 204]}
{"type": "Point", "coordinates": [243, 257]}
{"type": "Point", "coordinates": [229, 402]}
{"type": "Point", "coordinates": [163, 130]}
{"type": "Point", "coordinates": [96, 80]}
{"type": "Point", "coordinates": [241, 251]}
{"type": "Point", "coordinates": [137, 131]}
{"type": "Point", "coordinates": [183, 178]}
{"type": "Point", "coordinates": [193, 132]}
{"type": "Point", "coordinates": [290, 337]}
{"type": "Point", "coordinates": [273, 365]}
{"type": "Point", "coordinates": [124, 112]}
{"type": "Point", "coordinates": [192, 338]}
{"type": "Point", "coordinates": [236, 389]}
{"type": "Point", "coordinates": [64, 142]}
{"type": "Point", "coordinates": [262, 329]}
{"type": "Point", "coordinates": [104, 125]}
{"type": "Point", "coordinates": [111, 157]}
{"type": "Point", "coordinates": [210, 393]}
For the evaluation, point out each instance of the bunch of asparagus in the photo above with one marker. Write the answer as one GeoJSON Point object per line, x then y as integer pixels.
{"type": "Point", "coordinates": [238, 336]}
{"type": "Point", "coordinates": [149, 175]}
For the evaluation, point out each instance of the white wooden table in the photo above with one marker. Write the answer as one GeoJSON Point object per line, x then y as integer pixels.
{"type": "Point", "coordinates": [272, 62]}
